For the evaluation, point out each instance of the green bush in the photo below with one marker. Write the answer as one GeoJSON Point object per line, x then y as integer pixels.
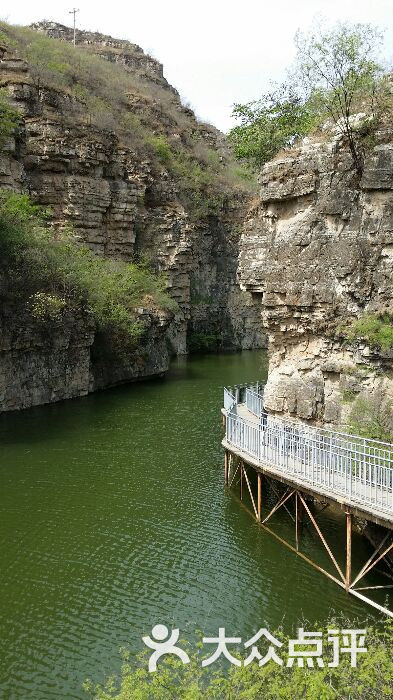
{"type": "Point", "coordinates": [371, 679]}
{"type": "Point", "coordinates": [52, 274]}
{"type": "Point", "coordinates": [377, 331]}
{"type": "Point", "coordinates": [161, 148]}
{"type": "Point", "coordinates": [270, 124]}
{"type": "Point", "coordinates": [47, 307]}
{"type": "Point", "coordinates": [9, 118]}
{"type": "Point", "coordinates": [203, 342]}
{"type": "Point", "coordinates": [201, 191]}
{"type": "Point", "coordinates": [199, 188]}
{"type": "Point", "coordinates": [372, 417]}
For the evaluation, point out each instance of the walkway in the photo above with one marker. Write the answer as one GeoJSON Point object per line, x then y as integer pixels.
{"type": "Point", "coordinates": [351, 471]}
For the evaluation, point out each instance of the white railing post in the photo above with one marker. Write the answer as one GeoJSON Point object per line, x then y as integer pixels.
{"type": "Point", "coordinates": [312, 463]}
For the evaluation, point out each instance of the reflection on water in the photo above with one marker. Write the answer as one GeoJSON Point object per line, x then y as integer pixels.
{"type": "Point", "coordinates": [115, 518]}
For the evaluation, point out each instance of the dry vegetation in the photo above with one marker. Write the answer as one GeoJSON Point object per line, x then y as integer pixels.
{"type": "Point", "coordinates": [145, 115]}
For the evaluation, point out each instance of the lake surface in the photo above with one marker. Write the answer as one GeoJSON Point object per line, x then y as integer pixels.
{"type": "Point", "coordinates": [114, 518]}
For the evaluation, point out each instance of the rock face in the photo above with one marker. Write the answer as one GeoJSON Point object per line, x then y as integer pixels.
{"type": "Point", "coordinates": [42, 362]}
{"type": "Point", "coordinates": [128, 55]}
{"type": "Point", "coordinates": [121, 204]}
{"type": "Point", "coordinates": [317, 252]}
{"type": "Point", "coordinates": [40, 368]}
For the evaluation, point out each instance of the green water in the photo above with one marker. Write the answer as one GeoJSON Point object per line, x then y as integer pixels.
{"type": "Point", "coordinates": [114, 518]}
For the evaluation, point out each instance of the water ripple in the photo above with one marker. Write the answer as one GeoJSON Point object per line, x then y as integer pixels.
{"type": "Point", "coordinates": [114, 518]}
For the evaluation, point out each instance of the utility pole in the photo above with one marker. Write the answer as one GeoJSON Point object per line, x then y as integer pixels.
{"type": "Point", "coordinates": [73, 12]}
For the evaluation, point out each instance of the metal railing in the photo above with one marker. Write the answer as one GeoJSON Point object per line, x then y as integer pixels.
{"type": "Point", "coordinates": [357, 468]}
{"type": "Point", "coordinates": [254, 399]}
{"type": "Point", "coordinates": [250, 394]}
{"type": "Point", "coordinates": [229, 399]}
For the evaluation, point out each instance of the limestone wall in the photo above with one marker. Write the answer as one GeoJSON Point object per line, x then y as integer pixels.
{"type": "Point", "coordinates": [317, 251]}
{"type": "Point", "coordinates": [123, 205]}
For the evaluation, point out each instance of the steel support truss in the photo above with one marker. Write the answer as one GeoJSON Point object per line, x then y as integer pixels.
{"type": "Point", "coordinates": [235, 467]}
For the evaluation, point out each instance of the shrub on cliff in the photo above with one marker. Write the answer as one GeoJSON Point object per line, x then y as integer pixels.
{"type": "Point", "coordinates": [199, 188]}
{"type": "Point", "coordinates": [269, 124]}
{"type": "Point", "coordinates": [376, 331]}
{"type": "Point", "coordinates": [9, 118]}
{"type": "Point", "coordinates": [50, 273]}
{"type": "Point", "coordinates": [371, 416]}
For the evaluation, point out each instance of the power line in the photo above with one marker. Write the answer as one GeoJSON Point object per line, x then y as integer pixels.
{"type": "Point", "coordinates": [73, 12]}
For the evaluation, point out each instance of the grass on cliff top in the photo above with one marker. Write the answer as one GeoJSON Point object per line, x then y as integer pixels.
{"type": "Point", "coordinates": [49, 274]}
{"type": "Point", "coordinates": [142, 113]}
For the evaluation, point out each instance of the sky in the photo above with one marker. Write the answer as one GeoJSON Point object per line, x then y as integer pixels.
{"type": "Point", "coordinates": [215, 52]}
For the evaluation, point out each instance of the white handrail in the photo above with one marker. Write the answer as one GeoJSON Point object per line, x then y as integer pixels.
{"type": "Point", "coordinates": [229, 399]}
{"type": "Point", "coordinates": [348, 465]}
{"type": "Point", "coordinates": [254, 401]}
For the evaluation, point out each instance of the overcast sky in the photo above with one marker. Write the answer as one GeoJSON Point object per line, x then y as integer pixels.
{"type": "Point", "coordinates": [215, 52]}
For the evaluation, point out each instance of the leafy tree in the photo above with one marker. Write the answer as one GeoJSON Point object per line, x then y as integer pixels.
{"type": "Point", "coordinates": [337, 68]}
{"type": "Point", "coordinates": [335, 76]}
{"type": "Point", "coordinates": [270, 124]}
{"type": "Point", "coordinates": [338, 71]}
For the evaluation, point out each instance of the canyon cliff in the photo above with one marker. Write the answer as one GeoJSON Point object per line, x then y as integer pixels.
{"type": "Point", "coordinates": [317, 251]}
{"type": "Point", "coordinates": [122, 190]}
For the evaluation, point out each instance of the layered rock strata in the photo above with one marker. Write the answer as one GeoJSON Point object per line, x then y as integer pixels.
{"type": "Point", "coordinates": [123, 205]}
{"type": "Point", "coordinates": [317, 251]}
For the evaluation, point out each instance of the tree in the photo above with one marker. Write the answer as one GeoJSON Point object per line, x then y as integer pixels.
{"type": "Point", "coordinates": [335, 76]}
{"type": "Point", "coordinates": [269, 124]}
{"type": "Point", "coordinates": [337, 70]}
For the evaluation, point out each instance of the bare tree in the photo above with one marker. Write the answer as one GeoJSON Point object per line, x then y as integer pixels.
{"type": "Point", "coordinates": [338, 69]}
